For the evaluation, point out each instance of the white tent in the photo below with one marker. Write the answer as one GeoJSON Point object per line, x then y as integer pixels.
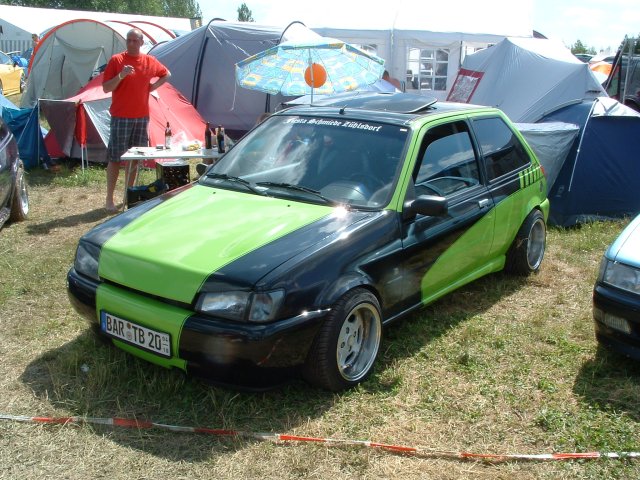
{"type": "Point", "coordinates": [66, 58]}
{"type": "Point", "coordinates": [18, 23]}
{"type": "Point", "coordinates": [423, 43]}
{"type": "Point", "coordinates": [527, 78]}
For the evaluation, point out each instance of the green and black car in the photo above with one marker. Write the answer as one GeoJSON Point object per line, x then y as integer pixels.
{"type": "Point", "coordinates": [323, 224]}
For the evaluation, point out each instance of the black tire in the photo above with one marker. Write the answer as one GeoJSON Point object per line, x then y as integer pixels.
{"type": "Point", "coordinates": [346, 347]}
{"type": "Point", "coordinates": [20, 198]}
{"type": "Point", "coordinates": [527, 251]}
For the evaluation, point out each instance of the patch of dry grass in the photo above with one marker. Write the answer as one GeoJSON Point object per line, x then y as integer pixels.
{"type": "Point", "coordinates": [503, 365]}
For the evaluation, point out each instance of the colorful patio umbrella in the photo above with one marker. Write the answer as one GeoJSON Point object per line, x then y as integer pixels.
{"type": "Point", "coordinates": [281, 69]}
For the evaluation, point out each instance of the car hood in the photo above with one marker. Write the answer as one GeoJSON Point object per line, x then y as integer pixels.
{"type": "Point", "coordinates": [171, 249]}
{"type": "Point", "coordinates": [626, 248]}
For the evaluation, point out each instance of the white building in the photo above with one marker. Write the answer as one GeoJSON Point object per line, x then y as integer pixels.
{"type": "Point", "coordinates": [424, 43]}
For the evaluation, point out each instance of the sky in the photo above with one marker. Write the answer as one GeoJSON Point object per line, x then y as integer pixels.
{"type": "Point", "coordinates": [600, 24]}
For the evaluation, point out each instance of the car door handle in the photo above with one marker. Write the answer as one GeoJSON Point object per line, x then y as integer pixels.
{"type": "Point", "coordinates": [483, 203]}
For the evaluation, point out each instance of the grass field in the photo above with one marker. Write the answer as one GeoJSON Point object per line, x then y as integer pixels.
{"type": "Point", "coordinates": [504, 365]}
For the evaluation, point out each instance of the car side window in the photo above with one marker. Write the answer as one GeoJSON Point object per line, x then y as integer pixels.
{"type": "Point", "coordinates": [448, 162]}
{"type": "Point", "coordinates": [502, 150]}
{"type": "Point", "coordinates": [5, 59]}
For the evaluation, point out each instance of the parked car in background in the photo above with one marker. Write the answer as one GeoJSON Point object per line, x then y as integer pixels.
{"type": "Point", "coordinates": [583, 57]}
{"type": "Point", "coordinates": [623, 82]}
{"type": "Point", "coordinates": [14, 195]}
{"type": "Point", "coordinates": [616, 294]}
{"type": "Point", "coordinates": [320, 226]}
{"type": "Point", "coordinates": [12, 76]}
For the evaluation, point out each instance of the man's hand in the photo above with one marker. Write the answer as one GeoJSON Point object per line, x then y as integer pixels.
{"type": "Point", "coordinates": [127, 70]}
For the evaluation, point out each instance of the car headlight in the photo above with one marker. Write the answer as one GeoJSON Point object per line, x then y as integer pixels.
{"type": "Point", "coordinates": [620, 275]}
{"type": "Point", "coordinates": [240, 306]}
{"type": "Point", "coordinates": [86, 262]}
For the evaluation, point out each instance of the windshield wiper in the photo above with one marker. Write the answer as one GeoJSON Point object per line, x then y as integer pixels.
{"type": "Point", "coordinates": [231, 178]}
{"type": "Point", "coordinates": [298, 188]}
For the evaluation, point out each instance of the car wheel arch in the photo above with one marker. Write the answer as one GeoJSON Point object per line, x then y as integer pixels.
{"type": "Point", "coordinates": [347, 344]}
{"type": "Point", "coordinates": [525, 248]}
{"type": "Point", "coordinates": [19, 195]}
{"type": "Point", "coordinates": [345, 284]}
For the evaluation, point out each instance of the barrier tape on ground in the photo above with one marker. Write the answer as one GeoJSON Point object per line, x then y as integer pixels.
{"type": "Point", "coordinates": [280, 437]}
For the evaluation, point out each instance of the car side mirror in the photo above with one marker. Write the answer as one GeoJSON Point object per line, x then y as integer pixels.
{"type": "Point", "coordinates": [430, 205]}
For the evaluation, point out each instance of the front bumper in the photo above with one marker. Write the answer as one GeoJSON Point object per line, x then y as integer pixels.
{"type": "Point", "coordinates": [253, 356]}
{"type": "Point", "coordinates": [621, 308]}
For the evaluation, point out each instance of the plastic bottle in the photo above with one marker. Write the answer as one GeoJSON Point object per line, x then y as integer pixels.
{"type": "Point", "coordinates": [220, 139]}
{"type": "Point", "coordinates": [208, 140]}
{"type": "Point", "coordinates": [167, 137]}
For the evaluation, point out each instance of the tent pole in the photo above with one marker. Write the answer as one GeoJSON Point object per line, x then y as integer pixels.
{"type": "Point", "coordinates": [584, 129]}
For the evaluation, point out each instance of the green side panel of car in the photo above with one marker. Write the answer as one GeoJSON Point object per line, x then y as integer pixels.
{"type": "Point", "coordinates": [511, 212]}
{"type": "Point", "coordinates": [471, 251]}
{"type": "Point", "coordinates": [502, 223]}
{"type": "Point", "coordinates": [147, 312]}
{"type": "Point", "coordinates": [174, 247]}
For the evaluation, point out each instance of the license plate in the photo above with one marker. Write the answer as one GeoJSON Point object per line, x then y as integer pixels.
{"type": "Point", "coordinates": [136, 335]}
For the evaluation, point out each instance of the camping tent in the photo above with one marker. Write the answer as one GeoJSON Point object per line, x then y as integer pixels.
{"type": "Point", "coordinates": [91, 105]}
{"type": "Point", "coordinates": [601, 174]}
{"type": "Point", "coordinates": [526, 78]}
{"type": "Point", "coordinates": [18, 23]}
{"type": "Point", "coordinates": [154, 31]}
{"type": "Point", "coordinates": [23, 123]}
{"type": "Point", "coordinates": [202, 65]}
{"type": "Point", "coordinates": [66, 58]}
{"type": "Point", "coordinates": [70, 54]}
{"type": "Point", "coordinates": [551, 142]}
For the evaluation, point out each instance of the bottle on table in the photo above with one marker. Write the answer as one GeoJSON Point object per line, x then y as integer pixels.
{"type": "Point", "coordinates": [167, 137]}
{"type": "Point", "coordinates": [220, 139]}
{"type": "Point", "coordinates": [208, 140]}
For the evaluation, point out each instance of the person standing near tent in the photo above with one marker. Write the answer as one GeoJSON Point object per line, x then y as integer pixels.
{"type": "Point", "coordinates": [393, 81]}
{"type": "Point", "coordinates": [128, 75]}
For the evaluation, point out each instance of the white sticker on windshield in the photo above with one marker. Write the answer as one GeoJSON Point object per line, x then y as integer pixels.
{"type": "Point", "coordinates": [335, 123]}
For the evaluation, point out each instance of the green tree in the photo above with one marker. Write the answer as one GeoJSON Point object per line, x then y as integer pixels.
{"type": "Point", "coordinates": [244, 14]}
{"type": "Point", "coordinates": [580, 47]}
{"type": "Point", "coordinates": [159, 8]}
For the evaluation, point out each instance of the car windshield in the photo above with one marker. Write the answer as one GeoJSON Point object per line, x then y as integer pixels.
{"type": "Point", "coordinates": [315, 159]}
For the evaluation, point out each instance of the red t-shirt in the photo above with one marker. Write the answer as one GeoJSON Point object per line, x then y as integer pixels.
{"type": "Point", "coordinates": [130, 99]}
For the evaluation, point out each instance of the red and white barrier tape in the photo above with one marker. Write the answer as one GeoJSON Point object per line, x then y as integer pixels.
{"type": "Point", "coordinates": [416, 451]}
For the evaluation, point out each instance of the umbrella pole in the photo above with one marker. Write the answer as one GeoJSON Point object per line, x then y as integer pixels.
{"type": "Point", "coordinates": [311, 73]}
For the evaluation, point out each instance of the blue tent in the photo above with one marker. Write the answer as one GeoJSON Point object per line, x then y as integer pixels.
{"type": "Point", "coordinates": [600, 177]}
{"type": "Point", "coordinates": [25, 126]}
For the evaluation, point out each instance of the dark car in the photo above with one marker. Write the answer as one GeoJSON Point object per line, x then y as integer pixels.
{"type": "Point", "coordinates": [623, 83]}
{"type": "Point", "coordinates": [616, 294]}
{"type": "Point", "coordinates": [14, 196]}
{"type": "Point", "coordinates": [320, 226]}
{"type": "Point", "coordinates": [583, 57]}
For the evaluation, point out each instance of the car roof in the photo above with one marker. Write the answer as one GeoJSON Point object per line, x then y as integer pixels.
{"type": "Point", "coordinates": [396, 107]}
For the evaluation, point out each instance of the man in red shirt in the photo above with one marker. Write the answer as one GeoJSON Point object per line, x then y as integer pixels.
{"type": "Point", "coordinates": [128, 75]}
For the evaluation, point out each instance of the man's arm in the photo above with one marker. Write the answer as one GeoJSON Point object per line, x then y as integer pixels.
{"type": "Point", "coordinates": [110, 85]}
{"type": "Point", "coordinates": [160, 81]}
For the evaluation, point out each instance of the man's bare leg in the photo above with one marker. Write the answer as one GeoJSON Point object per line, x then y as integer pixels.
{"type": "Point", "coordinates": [113, 170]}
